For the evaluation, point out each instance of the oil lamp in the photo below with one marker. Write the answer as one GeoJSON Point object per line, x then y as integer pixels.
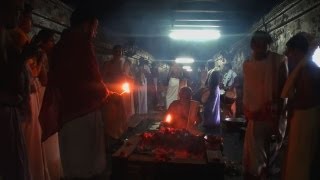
{"type": "Point", "coordinates": [125, 88]}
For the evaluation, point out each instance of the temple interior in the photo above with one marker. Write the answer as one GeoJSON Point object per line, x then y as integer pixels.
{"type": "Point", "coordinates": [159, 89]}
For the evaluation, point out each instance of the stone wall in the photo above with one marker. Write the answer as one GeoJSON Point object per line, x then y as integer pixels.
{"type": "Point", "coordinates": [282, 22]}
{"type": "Point", "coordinates": [54, 15]}
{"type": "Point", "coordinates": [50, 14]}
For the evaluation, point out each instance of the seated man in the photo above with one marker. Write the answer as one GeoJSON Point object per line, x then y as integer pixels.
{"type": "Point", "coordinates": [184, 113]}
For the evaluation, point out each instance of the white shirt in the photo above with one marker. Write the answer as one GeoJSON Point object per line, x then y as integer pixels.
{"type": "Point", "coordinates": [228, 78]}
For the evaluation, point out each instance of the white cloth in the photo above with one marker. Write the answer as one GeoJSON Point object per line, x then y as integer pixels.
{"type": "Point", "coordinates": [32, 133]}
{"type": "Point", "coordinates": [52, 157]}
{"type": "Point", "coordinates": [258, 81]}
{"type": "Point", "coordinates": [303, 138]}
{"type": "Point", "coordinates": [228, 78]}
{"type": "Point", "coordinates": [82, 146]}
{"type": "Point", "coordinates": [292, 78]}
{"type": "Point", "coordinates": [255, 150]}
{"type": "Point", "coordinates": [142, 97]}
{"type": "Point", "coordinates": [260, 85]}
{"type": "Point", "coordinates": [172, 91]}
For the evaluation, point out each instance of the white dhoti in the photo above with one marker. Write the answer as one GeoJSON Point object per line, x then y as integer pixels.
{"type": "Point", "coordinates": [82, 146]}
{"type": "Point", "coordinates": [256, 145]}
{"type": "Point", "coordinates": [142, 98]}
{"type": "Point", "coordinates": [32, 133]}
{"type": "Point", "coordinates": [303, 138]}
{"type": "Point", "coordinates": [172, 91]}
{"type": "Point", "coordinates": [52, 157]}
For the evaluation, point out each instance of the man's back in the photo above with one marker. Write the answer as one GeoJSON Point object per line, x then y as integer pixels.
{"type": "Point", "coordinates": [75, 86]}
{"type": "Point", "coordinates": [261, 81]}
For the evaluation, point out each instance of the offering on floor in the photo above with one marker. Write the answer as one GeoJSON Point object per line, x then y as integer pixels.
{"type": "Point", "coordinates": [171, 143]}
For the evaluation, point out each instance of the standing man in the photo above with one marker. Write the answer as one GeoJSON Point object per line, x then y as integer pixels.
{"type": "Point", "coordinates": [13, 96]}
{"type": "Point", "coordinates": [73, 99]}
{"type": "Point", "coordinates": [113, 69]}
{"type": "Point", "coordinates": [153, 87]}
{"type": "Point", "coordinates": [174, 77]}
{"type": "Point", "coordinates": [302, 88]}
{"type": "Point", "coordinates": [264, 76]}
{"type": "Point", "coordinates": [20, 34]}
{"type": "Point", "coordinates": [230, 94]}
{"type": "Point", "coordinates": [211, 109]}
{"type": "Point", "coordinates": [141, 87]}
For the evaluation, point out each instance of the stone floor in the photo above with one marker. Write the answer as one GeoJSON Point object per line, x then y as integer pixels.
{"type": "Point", "coordinates": [233, 142]}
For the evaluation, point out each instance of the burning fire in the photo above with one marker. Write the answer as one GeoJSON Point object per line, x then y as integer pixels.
{"type": "Point", "coordinates": [168, 118]}
{"type": "Point", "coordinates": [126, 87]}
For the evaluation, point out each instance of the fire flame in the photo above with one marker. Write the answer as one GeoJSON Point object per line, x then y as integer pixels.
{"type": "Point", "coordinates": [168, 118]}
{"type": "Point", "coordinates": [126, 87]}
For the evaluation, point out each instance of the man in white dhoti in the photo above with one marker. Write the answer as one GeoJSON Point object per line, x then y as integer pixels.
{"type": "Point", "coordinates": [73, 99]}
{"type": "Point", "coordinates": [303, 87]}
{"type": "Point", "coordinates": [264, 76]}
{"type": "Point", "coordinates": [174, 77]}
{"type": "Point", "coordinates": [13, 97]}
{"type": "Point", "coordinates": [230, 95]}
{"type": "Point", "coordinates": [141, 87]}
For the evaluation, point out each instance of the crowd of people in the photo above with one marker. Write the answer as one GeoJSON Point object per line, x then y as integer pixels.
{"type": "Point", "coordinates": [59, 108]}
{"type": "Point", "coordinates": [277, 96]}
{"type": "Point", "coordinates": [275, 109]}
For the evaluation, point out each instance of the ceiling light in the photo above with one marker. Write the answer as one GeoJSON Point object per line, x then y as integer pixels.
{"type": "Point", "coordinates": [316, 56]}
{"type": "Point", "coordinates": [197, 26]}
{"type": "Point", "coordinates": [186, 67]}
{"type": "Point", "coordinates": [184, 60]}
{"type": "Point", "coordinates": [199, 20]}
{"type": "Point", "coordinates": [197, 11]}
{"type": "Point", "coordinates": [195, 35]}
{"type": "Point", "coordinates": [189, 70]}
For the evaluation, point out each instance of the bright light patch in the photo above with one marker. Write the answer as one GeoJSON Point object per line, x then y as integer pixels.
{"type": "Point", "coordinates": [168, 118]}
{"type": "Point", "coordinates": [316, 56]}
{"type": "Point", "coordinates": [187, 68]}
{"type": "Point", "coordinates": [126, 87]}
{"type": "Point", "coordinates": [195, 26]}
{"type": "Point", "coordinates": [195, 35]}
{"type": "Point", "coordinates": [184, 60]}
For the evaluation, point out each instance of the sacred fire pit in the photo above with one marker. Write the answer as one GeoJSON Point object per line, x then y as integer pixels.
{"type": "Point", "coordinates": [170, 143]}
{"type": "Point", "coordinates": [169, 153]}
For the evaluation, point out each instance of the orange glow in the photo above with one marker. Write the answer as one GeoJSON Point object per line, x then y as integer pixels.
{"type": "Point", "coordinates": [168, 118]}
{"type": "Point", "coordinates": [126, 87]}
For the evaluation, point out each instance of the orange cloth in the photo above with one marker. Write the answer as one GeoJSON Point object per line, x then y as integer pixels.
{"type": "Point", "coordinates": [303, 142]}
{"type": "Point", "coordinates": [184, 116]}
